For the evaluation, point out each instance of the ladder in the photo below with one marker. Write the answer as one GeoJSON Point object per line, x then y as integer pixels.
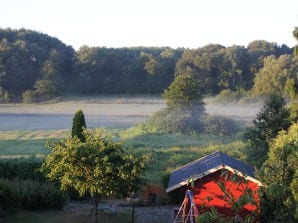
{"type": "Point", "coordinates": [188, 211]}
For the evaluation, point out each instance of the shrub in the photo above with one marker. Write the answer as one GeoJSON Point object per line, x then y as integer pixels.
{"type": "Point", "coordinates": [36, 195]}
{"type": "Point", "coordinates": [8, 199]}
{"type": "Point", "coordinates": [220, 125]}
{"type": "Point", "coordinates": [229, 96]}
{"type": "Point", "coordinates": [293, 107]}
{"type": "Point", "coordinates": [21, 169]}
{"type": "Point", "coordinates": [30, 195]}
{"type": "Point", "coordinates": [28, 96]}
{"type": "Point", "coordinates": [176, 120]}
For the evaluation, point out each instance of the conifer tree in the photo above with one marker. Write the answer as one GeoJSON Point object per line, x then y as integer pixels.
{"type": "Point", "coordinates": [272, 118]}
{"type": "Point", "coordinates": [78, 125]}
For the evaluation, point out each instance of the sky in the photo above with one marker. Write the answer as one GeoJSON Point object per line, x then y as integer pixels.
{"type": "Point", "coordinates": [173, 23]}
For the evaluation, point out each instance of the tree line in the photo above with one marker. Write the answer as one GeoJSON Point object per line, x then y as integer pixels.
{"type": "Point", "coordinates": [33, 64]}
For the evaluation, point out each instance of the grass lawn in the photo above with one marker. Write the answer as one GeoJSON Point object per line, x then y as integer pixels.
{"type": "Point", "coordinates": [27, 143]}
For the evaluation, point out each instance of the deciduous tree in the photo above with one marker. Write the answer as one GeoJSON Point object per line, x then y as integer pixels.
{"type": "Point", "coordinates": [184, 91]}
{"type": "Point", "coordinates": [98, 167]}
{"type": "Point", "coordinates": [279, 177]}
{"type": "Point", "coordinates": [278, 76]}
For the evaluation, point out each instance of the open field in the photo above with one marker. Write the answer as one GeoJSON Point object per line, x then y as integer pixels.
{"type": "Point", "coordinates": [100, 112]}
{"type": "Point", "coordinates": [27, 143]}
{"type": "Point", "coordinates": [103, 112]}
{"type": "Point", "coordinates": [25, 128]}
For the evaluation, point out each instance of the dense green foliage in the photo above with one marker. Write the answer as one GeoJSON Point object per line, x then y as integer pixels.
{"type": "Point", "coordinates": [36, 66]}
{"type": "Point", "coordinates": [22, 169]}
{"type": "Point", "coordinates": [33, 61]}
{"type": "Point", "coordinates": [30, 195]}
{"type": "Point", "coordinates": [272, 118]}
{"type": "Point", "coordinates": [175, 120]}
{"type": "Point", "coordinates": [185, 111]}
{"type": "Point", "coordinates": [278, 175]}
{"type": "Point", "coordinates": [98, 167]}
{"type": "Point", "coordinates": [185, 91]}
{"type": "Point", "coordinates": [220, 125]}
{"type": "Point", "coordinates": [185, 107]}
{"type": "Point", "coordinates": [277, 76]}
{"type": "Point", "coordinates": [78, 125]}
{"type": "Point", "coordinates": [233, 67]}
{"type": "Point", "coordinates": [293, 108]}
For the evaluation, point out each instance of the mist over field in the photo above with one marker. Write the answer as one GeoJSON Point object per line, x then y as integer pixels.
{"type": "Point", "coordinates": [104, 112]}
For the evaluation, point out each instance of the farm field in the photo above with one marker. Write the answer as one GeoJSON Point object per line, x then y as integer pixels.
{"type": "Point", "coordinates": [100, 112]}
{"type": "Point", "coordinates": [25, 128]}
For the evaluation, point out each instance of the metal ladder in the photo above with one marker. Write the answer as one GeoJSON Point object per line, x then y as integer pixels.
{"type": "Point", "coordinates": [188, 211]}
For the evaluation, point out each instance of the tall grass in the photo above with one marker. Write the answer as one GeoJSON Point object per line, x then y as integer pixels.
{"type": "Point", "coordinates": [172, 151]}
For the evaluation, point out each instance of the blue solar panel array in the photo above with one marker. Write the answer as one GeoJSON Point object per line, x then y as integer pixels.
{"type": "Point", "coordinates": [198, 167]}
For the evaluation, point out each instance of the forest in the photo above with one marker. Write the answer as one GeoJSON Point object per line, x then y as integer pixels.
{"type": "Point", "coordinates": [34, 65]}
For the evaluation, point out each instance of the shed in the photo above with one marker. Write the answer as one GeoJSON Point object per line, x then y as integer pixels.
{"type": "Point", "coordinates": [206, 173]}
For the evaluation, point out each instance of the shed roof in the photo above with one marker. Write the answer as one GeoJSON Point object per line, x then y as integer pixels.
{"type": "Point", "coordinates": [207, 165]}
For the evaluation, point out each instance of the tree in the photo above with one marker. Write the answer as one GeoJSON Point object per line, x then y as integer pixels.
{"type": "Point", "coordinates": [98, 167]}
{"type": "Point", "coordinates": [185, 90]}
{"type": "Point", "coordinates": [185, 107]}
{"type": "Point", "coordinates": [28, 96]}
{"type": "Point", "coordinates": [6, 97]}
{"type": "Point", "coordinates": [278, 76]}
{"type": "Point", "coordinates": [272, 118]}
{"type": "Point", "coordinates": [78, 125]}
{"type": "Point", "coordinates": [279, 177]}
{"type": "Point", "coordinates": [45, 88]}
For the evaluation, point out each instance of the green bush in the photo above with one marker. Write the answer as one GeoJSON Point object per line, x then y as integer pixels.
{"type": "Point", "coordinates": [176, 120]}
{"type": "Point", "coordinates": [172, 121]}
{"type": "Point", "coordinates": [293, 107]}
{"type": "Point", "coordinates": [21, 169]}
{"type": "Point", "coordinates": [229, 96]}
{"type": "Point", "coordinates": [28, 96]}
{"type": "Point", "coordinates": [8, 199]}
{"type": "Point", "coordinates": [31, 195]}
{"type": "Point", "coordinates": [220, 125]}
